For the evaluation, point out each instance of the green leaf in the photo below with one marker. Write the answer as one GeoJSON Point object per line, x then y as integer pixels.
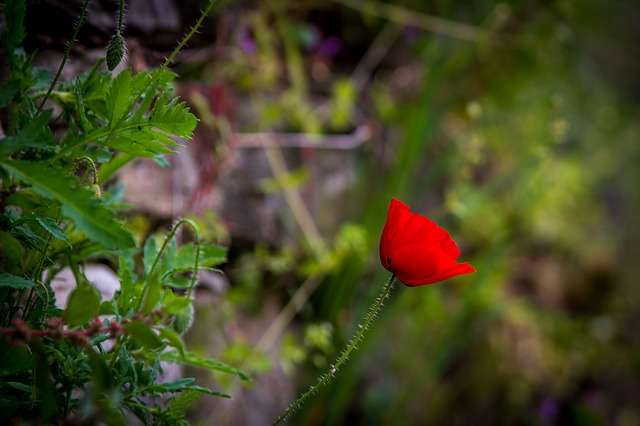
{"type": "Point", "coordinates": [175, 386]}
{"type": "Point", "coordinates": [83, 305]}
{"type": "Point", "coordinates": [179, 282]}
{"type": "Point", "coordinates": [119, 99]}
{"type": "Point", "coordinates": [52, 228]}
{"type": "Point", "coordinates": [8, 90]}
{"type": "Point", "coordinates": [14, 359]}
{"type": "Point", "coordinates": [10, 248]}
{"type": "Point", "coordinates": [174, 117]}
{"type": "Point", "coordinates": [180, 385]}
{"type": "Point", "coordinates": [150, 253]}
{"type": "Point", "coordinates": [145, 86]}
{"type": "Point", "coordinates": [127, 296]}
{"type": "Point", "coordinates": [142, 143]}
{"type": "Point", "coordinates": [36, 134]}
{"type": "Point", "coordinates": [12, 281]}
{"type": "Point", "coordinates": [208, 391]}
{"type": "Point", "coordinates": [174, 304]}
{"type": "Point", "coordinates": [152, 293]}
{"type": "Point", "coordinates": [77, 203]}
{"type": "Point", "coordinates": [179, 405]}
{"type": "Point", "coordinates": [184, 319]}
{"type": "Point", "coordinates": [144, 335]}
{"type": "Point", "coordinates": [210, 256]}
{"type": "Point", "coordinates": [101, 374]}
{"type": "Point", "coordinates": [173, 339]}
{"type": "Point", "coordinates": [17, 386]}
{"type": "Point", "coordinates": [107, 308]}
{"type": "Point", "coordinates": [195, 360]}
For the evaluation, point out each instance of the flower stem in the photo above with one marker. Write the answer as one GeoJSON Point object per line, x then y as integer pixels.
{"type": "Point", "coordinates": [76, 28]}
{"type": "Point", "coordinates": [372, 313]}
{"type": "Point", "coordinates": [194, 29]}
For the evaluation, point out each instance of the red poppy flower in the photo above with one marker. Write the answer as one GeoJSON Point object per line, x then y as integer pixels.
{"type": "Point", "coordinates": [417, 250]}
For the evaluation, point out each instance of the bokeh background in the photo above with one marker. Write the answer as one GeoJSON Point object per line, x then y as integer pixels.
{"type": "Point", "coordinates": [516, 125]}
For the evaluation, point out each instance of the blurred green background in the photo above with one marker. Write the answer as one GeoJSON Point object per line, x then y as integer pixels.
{"type": "Point", "coordinates": [513, 124]}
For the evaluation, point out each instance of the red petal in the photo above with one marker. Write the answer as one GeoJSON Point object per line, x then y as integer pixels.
{"type": "Point", "coordinates": [398, 215]}
{"type": "Point", "coordinates": [449, 246]}
{"type": "Point", "coordinates": [456, 270]}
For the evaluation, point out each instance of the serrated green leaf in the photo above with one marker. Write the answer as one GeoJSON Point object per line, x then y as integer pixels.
{"type": "Point", "coordinates": [83, 305]}
{"type": "Point", "coordinates": [119, 98]}
{"type": "Point", "coordinates": [146, 86]}
{"type": "Point", "coordinates": [142, 143]}
{"type": "Point", "coordinates": [36, 134]}
{"type": "Point", "coordinates": [144, 335]}
{"type": "Point", "coordinates": [13, 281]}
{"type": "Point", "coordinates": [147, 82]}
{"type": "Point", "coordinates": [78, 204]}
{"type": "Point", "coordinates": [189, 358]}
{"type": "Point", "coordinates": [174, 118]}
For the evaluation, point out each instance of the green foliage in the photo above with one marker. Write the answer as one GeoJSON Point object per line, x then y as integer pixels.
{"type": "Point", "coordinates": [83, 304]}
{"type": "Point", "coordinates": [95, 360]}
{"type": "Point", "coordinates": [77, 203]}
{"type": "Point", "coordinates": [8, 280]}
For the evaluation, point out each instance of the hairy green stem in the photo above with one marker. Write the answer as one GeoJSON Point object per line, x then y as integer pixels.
{"type": "Point", "coordinates": [372, 313]}
{"type": "Point", "coordinates": [120, 16]}
{"type": "Point", "coordinates": [194, 29]}
{"type": "Point", "coordinates": [65, 57]}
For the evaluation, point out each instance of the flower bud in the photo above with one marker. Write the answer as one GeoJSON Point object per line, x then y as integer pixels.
{"type": "Point", "coordinates": [116, 51]}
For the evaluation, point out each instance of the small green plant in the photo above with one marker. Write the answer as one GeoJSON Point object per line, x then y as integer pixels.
{"type": "Point", "coordinates": [95, 360]}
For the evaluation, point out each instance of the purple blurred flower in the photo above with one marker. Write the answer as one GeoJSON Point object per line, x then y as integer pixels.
{"type": "Point", "coordinates": [548, 410]}
{"type": "Point", "coordinates": [329, 47]}
{"type": "Point", "coordinates": [247, 43]}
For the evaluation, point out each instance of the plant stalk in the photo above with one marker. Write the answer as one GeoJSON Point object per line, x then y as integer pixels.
{"type": "Point", "coordinates": [372, 314]}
